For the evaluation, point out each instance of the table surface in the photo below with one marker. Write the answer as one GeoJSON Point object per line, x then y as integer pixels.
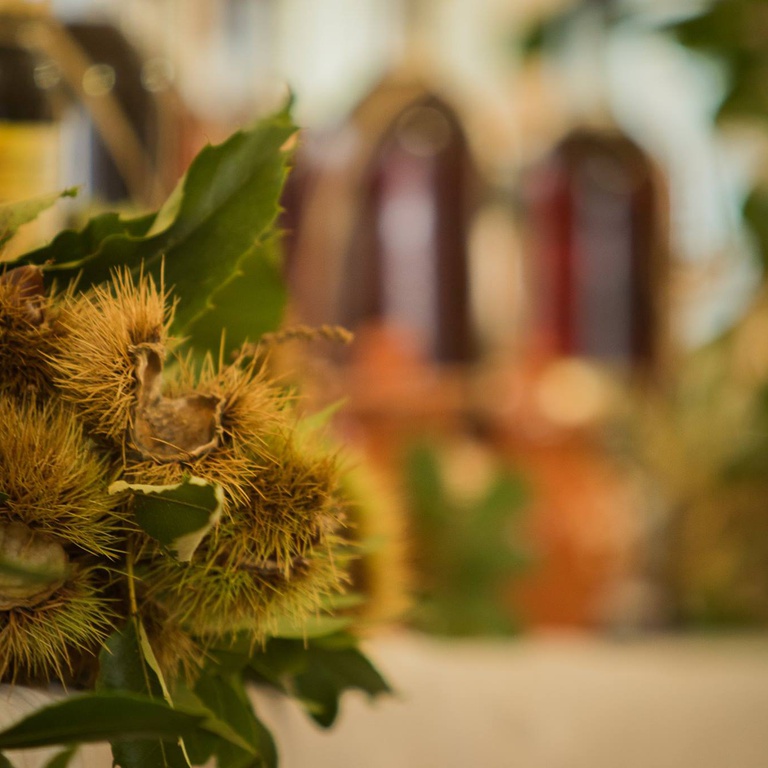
{"type": "Point", "coordinates": [562, 701]}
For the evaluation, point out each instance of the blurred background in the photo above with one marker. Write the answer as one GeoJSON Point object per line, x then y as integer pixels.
{"type": "Point", "coordinates": [546, 224]}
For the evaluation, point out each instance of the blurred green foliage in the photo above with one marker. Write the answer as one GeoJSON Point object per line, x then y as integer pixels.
{"type": "Point", "coordinates": [735, 34]}
{"type": "Point", "coordinates": [467, 547]}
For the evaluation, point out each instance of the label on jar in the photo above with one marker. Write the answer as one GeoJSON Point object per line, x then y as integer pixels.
{"type": "Point", "coordinates": [29, 166]}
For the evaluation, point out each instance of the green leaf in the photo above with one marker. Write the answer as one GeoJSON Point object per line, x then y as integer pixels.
{"type": "Point", "coordinates": [168, 212]}
{"type": "Point", "coordinates": [279, 662]}
{"type": "Point", "coordinates": [127, 663]}
{"type": "Point", "coordinates": [63, 256]}
{"type": "Point", "coordinates": [328, 674]}
{"type": "Point", "coordinates": [225, 205]}
{"type": "Point", "coordinates": [151, 661]}
{"type": "Point", "coordinates": [150, 753]}
{"type": "Point", "coordinates": [225, 696]}
{"type": "Point", "coordinates": [213, 731]}
{"type": "Point", "coordinates": [15, 214]}
{"type": "Point", "coordinates": [123, 665]}
{"type": "Point", "coordinates": [231, 198]}
{"type": "Point", "coordinates": [63, 759]}
{"type": "Point", "coordinates": [250, 305]}
{"type": "Point", "coordinates": [178, 516]}
{"type": "Point", "coordinates": [103, 716]}
{"type": "Point", "coordinates": [318, 672]}
{"type": "Point", "coordinates": [5, 762]}
{"type": "Point", "coordinates": [229, 660]}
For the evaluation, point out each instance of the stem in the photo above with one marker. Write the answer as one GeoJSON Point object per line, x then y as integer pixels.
{"type": "Point", "coordinates": [132, 604]}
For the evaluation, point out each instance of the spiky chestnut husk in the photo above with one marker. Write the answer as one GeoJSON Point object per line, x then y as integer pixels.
{"type": "Point", "coordinates": [106, 329]}
{"type": "Point", "coordinates": [292, 506]}
{"type": "Point", "coordinates": [282, 500]}
{"type": "Point", "coordinates": [251, 417]}
{"type": "Point", "coordinates": [47, 641]}
{"type": "Point", "coordinates": [252, 406]}
{"type": "Point", "coordinates": [273, 553]}
{"type": "Point", "coordinates": [212, 596]}
{"type": "Point", "coordinates": [277, 556]}
{"type": "Point", "coordinates": [29, 332]}
{"type": "Point", "coordinates": [287, 501]}
{"type": "Point", "coordinates": [382, 574]}
{"type": "Point", "coordinates": [55, 482]}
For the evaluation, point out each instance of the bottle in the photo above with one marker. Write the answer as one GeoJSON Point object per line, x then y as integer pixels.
{"type": "Point", "coordinates": [29, 126]}
{"type": "Point", "coordinates": [121, 124]}
{"type": "Point", "coordinates": [115, 70]}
